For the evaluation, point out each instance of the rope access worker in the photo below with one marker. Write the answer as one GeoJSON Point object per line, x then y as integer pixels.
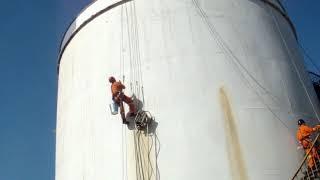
{"type": "Point", "coordinates": [304, 133]}
{"type": "Point", "coordinates": [118, 95]}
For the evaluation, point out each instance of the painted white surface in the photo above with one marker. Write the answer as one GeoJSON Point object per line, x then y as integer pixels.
{"type": "Point", "coordinates": [92, 9]}
{"type": "Point", "coordinates": [182, 59]}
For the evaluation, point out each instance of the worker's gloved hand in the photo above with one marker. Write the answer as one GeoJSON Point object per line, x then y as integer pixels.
{"type": "Point", "coordinates": [299, 147]}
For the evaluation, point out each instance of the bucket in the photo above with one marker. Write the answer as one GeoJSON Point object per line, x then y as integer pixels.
{"type": "Point", "coordinates": [114, 108]}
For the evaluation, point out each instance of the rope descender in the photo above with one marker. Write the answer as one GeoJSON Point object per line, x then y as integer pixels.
{"type": "Point", "coordinates": [142, 120]}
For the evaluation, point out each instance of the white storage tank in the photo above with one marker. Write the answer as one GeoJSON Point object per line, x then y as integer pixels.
{"type": "Point", "coordinates": [223, 79]}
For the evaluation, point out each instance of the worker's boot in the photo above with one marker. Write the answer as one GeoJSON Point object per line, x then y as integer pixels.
{"type": "Point", "coordinates": [125, 122]}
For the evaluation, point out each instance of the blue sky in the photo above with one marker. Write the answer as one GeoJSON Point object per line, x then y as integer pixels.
{"type": "Point", "coordinates": [30, 33]}
{"type": "Point", "coordinates": [305, 16]}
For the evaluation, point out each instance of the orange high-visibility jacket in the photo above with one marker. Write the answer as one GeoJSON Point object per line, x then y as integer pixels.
{"type": "Point", "coordinates": [117, 87]}
{"type": "Point", "coordinates": [303, 135]}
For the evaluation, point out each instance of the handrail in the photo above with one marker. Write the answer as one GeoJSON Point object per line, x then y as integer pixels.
{"type": "Point", "coordinates": [305, 157]}
{"type": "Point", "coordinates": [313, 73]}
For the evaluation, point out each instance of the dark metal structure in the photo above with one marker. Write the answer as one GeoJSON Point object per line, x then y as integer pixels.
{"type": "Point", "coordinates": [315, 78]}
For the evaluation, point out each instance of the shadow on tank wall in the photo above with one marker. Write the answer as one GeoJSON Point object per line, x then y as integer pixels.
{"type": "Point", "coordinates": [152, 124]}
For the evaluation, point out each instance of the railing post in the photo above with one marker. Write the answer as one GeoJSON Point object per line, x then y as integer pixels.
{"type": "Point", "coordinates": [308, 176]}
{"type": "Point", "coordinates": [305, 159]}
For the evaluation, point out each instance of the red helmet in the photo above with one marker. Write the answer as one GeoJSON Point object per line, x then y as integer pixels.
{"type": "Point", "coordinates": [112, 79]}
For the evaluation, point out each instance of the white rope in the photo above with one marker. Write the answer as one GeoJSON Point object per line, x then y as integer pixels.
{"type": "Point", "coordinates": [228, 51]}
{"type": "Point", "coordinates": [122, 150]}
{"type": "Point", "coordinates": [129, 46]}
{"type": "Point", "coordinates": [134, 58]}
{"type": "Point", "coordinates": [304, 51]}
{"type": "Point", "coordinates": [294, 64]}
{"type": "Point", "coordinates": [121, 46]}
{"type": "Point", "coordinates": [224, 47]}
{"type": "Point", "coordinates": [136, 86]}
{"type": "Point", "coordinates": [126, 153]}
{"type": "Point", "coordinates": [137, 49]}
{"type": "Point", "coordinates": [143, 161]}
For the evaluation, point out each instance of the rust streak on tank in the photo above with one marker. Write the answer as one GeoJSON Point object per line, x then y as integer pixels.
{"type": "Point", "coordinates": [235, 156]}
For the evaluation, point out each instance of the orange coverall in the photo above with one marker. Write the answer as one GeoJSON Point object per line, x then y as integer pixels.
{"type": "Point", "coordinates": [303, 135]}
{"type": "Point", "coordinates": [116, 89]}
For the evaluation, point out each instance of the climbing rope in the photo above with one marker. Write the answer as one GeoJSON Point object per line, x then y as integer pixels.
{"type": "Point", "coordinates": [294, 64]}
{"type": "Point", "coordinates": [235, 60]}
{"type": "Point", "coordinates": [122, 150]}
{"type": "Point", "coordinates": [145, 144]}
{"type": "Point", "coordinates": [134, 50]}
{"type": "Point", "coordinates": [147, 168]}
{"type": "Point", "coordinates": [228, 52]}
{"type": "Point", "coordinates": [121, 44]}
{"type": "Point", "coordinates": [304, 51]}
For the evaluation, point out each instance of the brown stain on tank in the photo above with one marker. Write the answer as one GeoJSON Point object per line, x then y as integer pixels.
{"type": "Point", "coordinates": [235, 156]}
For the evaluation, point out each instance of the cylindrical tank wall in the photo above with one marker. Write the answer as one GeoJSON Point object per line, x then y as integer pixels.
{"type": "Point", "coordinates": [224, 80]}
